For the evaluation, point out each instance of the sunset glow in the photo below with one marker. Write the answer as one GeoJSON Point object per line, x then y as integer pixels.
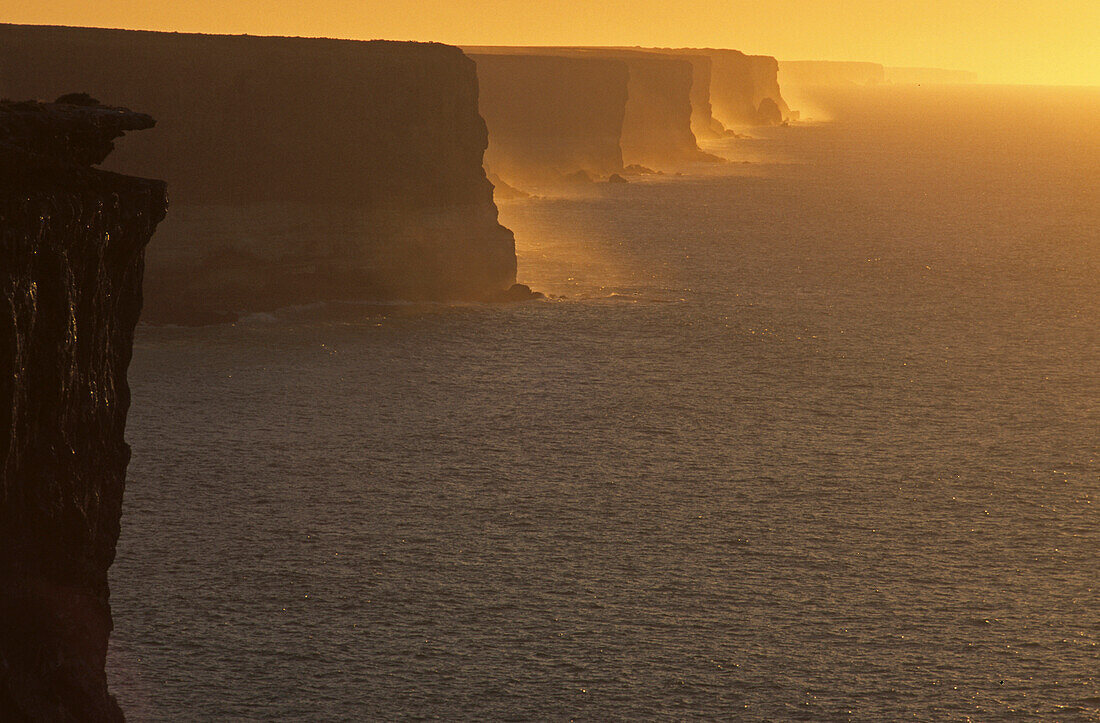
{"type": "Point", "coordinates": [1004, 42]}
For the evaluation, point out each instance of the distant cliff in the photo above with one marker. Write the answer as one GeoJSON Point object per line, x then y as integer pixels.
{"type": "Point", "coordinates": [657, 119]}
{"type": "Point", "coordinates": [929, 76]}
{"type": "Point", "coordinates": [657, 130]}
{"type": "Point", "coordinates": [744, 89]}
{"type": "Point", "coordinates": [302, 169]}
{"type": "Point", "coordinates": [551, 116]}
{"type": "Point", "coordinates": [703, 124]}
{"type": "Point", "coordinates": [72, 241]}
{"type": "Point", "coordinates": [808, 73]}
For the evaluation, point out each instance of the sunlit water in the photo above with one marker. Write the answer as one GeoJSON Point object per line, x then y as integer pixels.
{"type": "Point", "coordinates": [810, 437]}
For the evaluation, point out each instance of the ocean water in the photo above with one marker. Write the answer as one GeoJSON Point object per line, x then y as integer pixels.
{"type": "Point", "coordinates": [813, 435]}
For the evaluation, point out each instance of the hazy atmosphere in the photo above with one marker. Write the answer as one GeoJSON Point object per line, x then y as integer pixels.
{"type": "Point", "coordinates": [568, 361]}
{"type": "Point", "coordinates": [1019, 41]}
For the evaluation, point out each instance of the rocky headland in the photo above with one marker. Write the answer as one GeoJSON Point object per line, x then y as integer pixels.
{"type": "Point", "coordinates": [72, 245]}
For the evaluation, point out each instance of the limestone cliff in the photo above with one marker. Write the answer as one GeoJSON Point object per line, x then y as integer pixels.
{"type": "Point", "coordinates": [551, 116]}
{"type": "Point", "coordinates": [72, 243]}
{"type": "Point", "coordinates": [703, 124]}
{"type": "Point", "coordinates": [657, 119]}
{"type": "Point", "coordinates": [302, 169]}
{"type": "Point", "coordinates": [657, 129]}
{"type": "Point", "coordinates": [744, 89]}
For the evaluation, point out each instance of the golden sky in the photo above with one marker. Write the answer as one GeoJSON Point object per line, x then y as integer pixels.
{"type": "Point", "coordinates": [1010, 41]}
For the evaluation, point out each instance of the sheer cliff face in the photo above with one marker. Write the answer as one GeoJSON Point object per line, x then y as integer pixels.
{"type": "Point", "coordinates": [551, 116]}
{"type": "Point", "coordinates": [703, 124]}
{"type": "Point", "coordinates": [657, 130]}
{"type": "Point", "coordinates": [656, 126]}
{"type": "Point", "coordinates": [744, 89]}
{"type": "Point", "coordinates": [301, 169]}
{"type": "Point", "coordinates": [72, 242]}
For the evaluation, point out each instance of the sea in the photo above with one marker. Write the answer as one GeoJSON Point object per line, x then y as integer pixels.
{"type": "Point", "coordinates": [810, 435]}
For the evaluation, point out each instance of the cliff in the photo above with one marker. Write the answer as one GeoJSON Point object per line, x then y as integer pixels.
{"type": "Point", "coordinates": [744, 89]}
{"type": "Point", "coordinates": [656, 129]}
{"type": "Point", "coordinates": [72, 243]}
{"type": "Point", "coordinates": [302, 169]}
{"type": "Point", "coordinates": [551, 116]}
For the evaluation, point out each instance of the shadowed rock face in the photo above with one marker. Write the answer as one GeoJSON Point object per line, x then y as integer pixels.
{"type": "Point", "coordinates": [72, 243]}
{"type": "Point", "coordinates": [703, 123]}
{"type": "Point", "coordinates": [301, 169]}
{"type": "Point", "coordinates": [658, 131]}
{"type": "Point", "coordinates": [656, 127]}
{"type": "Point", "coordinates": [740, 84]}
{"type": "Point", "coordinates": [551, 116]}
{"type": "Point", "coordinates": [729, 88]}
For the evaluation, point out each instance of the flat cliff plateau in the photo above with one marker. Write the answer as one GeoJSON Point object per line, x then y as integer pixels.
{"type": "Point", "coordinates": [551, 116]}
{"type": "Point", "coordinates": [656, 130]}
{"type": "Point", "coordinates": [72, 243]}
{"type": "Point", "coordinates": [301, 169]}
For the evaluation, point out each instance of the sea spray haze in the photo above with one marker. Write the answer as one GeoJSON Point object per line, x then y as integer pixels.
{"type": "Point", "coordinates": [807, 438]}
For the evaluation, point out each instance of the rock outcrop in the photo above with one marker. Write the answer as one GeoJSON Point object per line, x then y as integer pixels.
{"type": "Point", "coordinates": [72, 242]}
{"type": "Point", "coordinates": [301, 169]}
{"type": "Point", "coordinates": [551, 116]}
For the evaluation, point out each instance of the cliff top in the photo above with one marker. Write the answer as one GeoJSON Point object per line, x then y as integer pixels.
{"type": "Point", "coordinates": [62, 139]}
{"type": "Point", "coordinates": [97, 35]}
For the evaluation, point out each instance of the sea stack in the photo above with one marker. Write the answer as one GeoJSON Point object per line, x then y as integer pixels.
{"type": "Point", "coordinates": [72, 247]}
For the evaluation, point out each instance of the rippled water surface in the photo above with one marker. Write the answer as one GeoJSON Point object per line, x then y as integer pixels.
{"type": "Point", "coordinates": [814, 436]}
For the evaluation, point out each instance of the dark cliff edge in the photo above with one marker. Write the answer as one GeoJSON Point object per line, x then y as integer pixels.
{"type": "Point", "coordinates": [301, 169]}
{"type": "Point", "coordinates": [72, 244]}
{"type": "Point", "coordinates": [657, 119]}
{"type": "Point", "coordinates": [550, 117]}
